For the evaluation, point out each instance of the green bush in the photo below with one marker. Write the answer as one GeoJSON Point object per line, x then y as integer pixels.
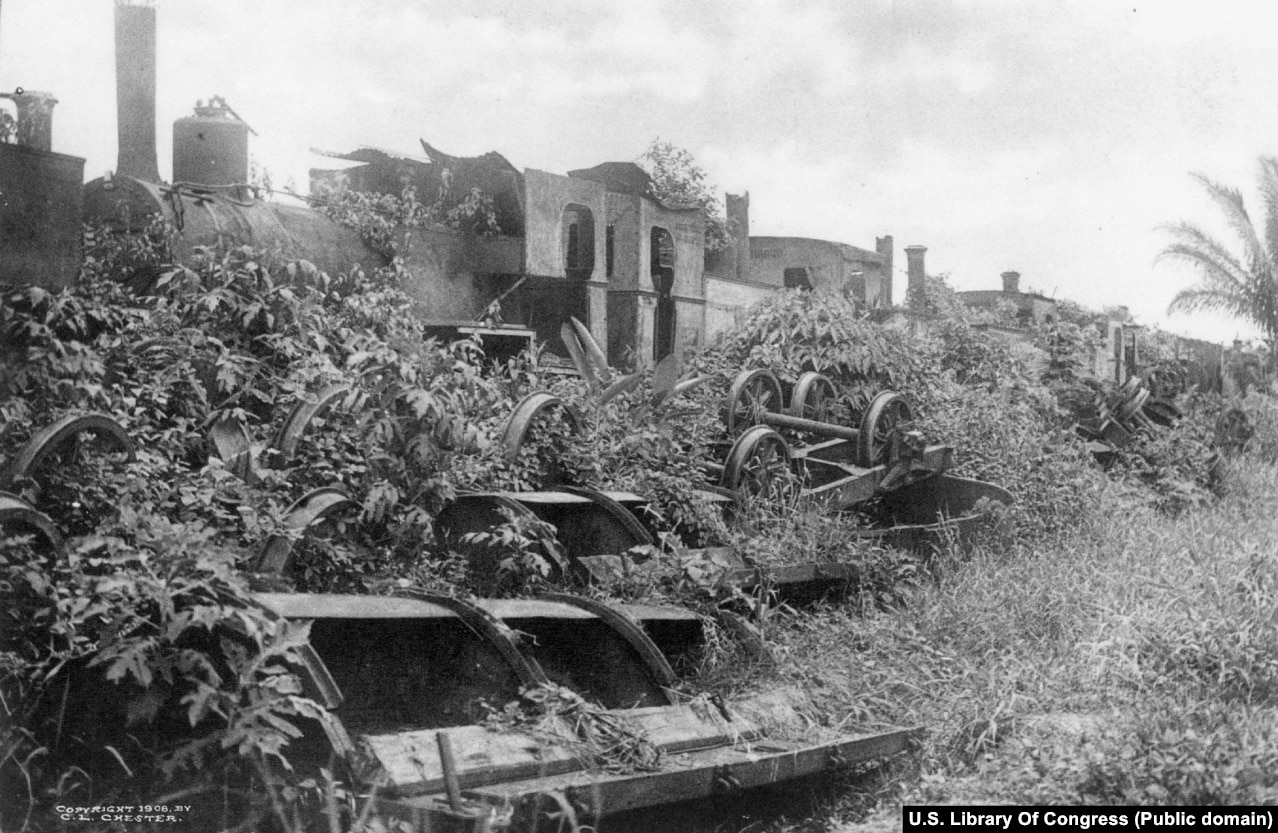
{"type": "Point", "coordinates": [1012, 435]}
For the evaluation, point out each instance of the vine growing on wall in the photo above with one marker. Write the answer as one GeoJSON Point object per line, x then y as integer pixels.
{"type": "Point", "coordinates": [379, 218]}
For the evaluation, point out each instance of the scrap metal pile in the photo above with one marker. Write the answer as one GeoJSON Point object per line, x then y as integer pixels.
{"type": "Point", "coordinates": [794, 453]}
{"type": "Point", "coordinates": [411, 682]}
{"type": "Point", "coordinates": [1143, 406]}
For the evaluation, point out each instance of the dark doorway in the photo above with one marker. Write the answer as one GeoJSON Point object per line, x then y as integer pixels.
{"type": "Point", "coordinates": [578, 242]}
{"type": "Point", "coordinates": [663, 325]}
{"type": "Point", "coordinates": [796, 277]}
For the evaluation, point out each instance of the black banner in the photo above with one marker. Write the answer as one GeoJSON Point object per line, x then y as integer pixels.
{"type": "Point", "coordinates": [1067, 819]}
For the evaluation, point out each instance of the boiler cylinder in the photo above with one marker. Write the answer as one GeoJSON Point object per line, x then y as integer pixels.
{"type": "Point", "coordinates": [227, 217]}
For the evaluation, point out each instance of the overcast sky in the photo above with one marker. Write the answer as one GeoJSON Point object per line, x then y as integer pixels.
{"type": "Point", "coordinates": [1047, 137]}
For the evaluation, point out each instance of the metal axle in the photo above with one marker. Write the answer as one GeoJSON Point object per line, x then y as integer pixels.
{"type": "Point", "coordinates": [812, 426]}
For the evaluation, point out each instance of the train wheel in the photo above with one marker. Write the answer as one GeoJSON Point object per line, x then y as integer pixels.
{"type": "Point", "coordinates": [291, 432]}
{"type": "Point", "coordinates": [310, 514]}
{"type": "Point", "coordinates": [887, 413]}
{"type": "Point", "coordinates": [758, 464]}
{"type": "Point", "coordinates": [753, 393]}
{"type": "Point", "coordinates": [526, 413]}
{"type": "Point", "coordinates": [63, 438]}
{"type": "Point", "coordinates": [814, 398]}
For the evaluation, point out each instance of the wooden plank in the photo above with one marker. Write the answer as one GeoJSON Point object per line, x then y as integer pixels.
{"type": "Point", "coordinates": [831, 451]}
{"type": "Point", "coordinates": [847, 491]}
{"type": "Point", "coordinates": [688, 776]}
{"type": "Point", "coordinates": [654, 613]}
{"type": "Point", "coordinates": [336, 606]}
{"type": "Point", "coordinates": [505, 609]}
{"type": "Point", "coordinates": [411, 764]}
{"type": "Point", "coordinates": [794, 574]}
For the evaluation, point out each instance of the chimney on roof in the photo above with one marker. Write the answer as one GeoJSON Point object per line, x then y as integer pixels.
{"type": "Point", "coordinates": [1012, 283]}
{"type": "Point", "coordinates": [135, 91]}
{"type": "Point", "coordinates": [883, 245]}
{"type": "Point", "coordinates": [915, 293]}
{"type": "Point", "coordinates": [738, 212]}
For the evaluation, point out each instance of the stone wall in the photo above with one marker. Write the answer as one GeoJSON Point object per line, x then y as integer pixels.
{"type": "Point", "coordinates": [727, 303]}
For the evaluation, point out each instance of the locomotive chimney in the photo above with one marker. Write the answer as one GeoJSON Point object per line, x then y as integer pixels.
{"type": "Point", "coordinates": [915, 291]}
{"type": "Point", "coordinates": [135, 91]}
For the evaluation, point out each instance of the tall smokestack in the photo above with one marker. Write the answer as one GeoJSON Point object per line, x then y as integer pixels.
{"type": "Point", "coordinates": [1011, 282]}
{"type": "Point", "coordinates": [883, 245]}
{"type": "Point", "coordinates": [135, 91]}
{"type": "Point", "coordinates": [738, 213]}
{"type": "Point", "coordinates": [915, 293]}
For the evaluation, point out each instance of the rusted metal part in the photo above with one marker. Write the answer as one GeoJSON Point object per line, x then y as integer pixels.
{"type": "Point", "coordinates": [408, 683]}
{"type": "Point", "coordinates": [753, 394]}
{"type": "Point", "coordinates": [494, 631]}
{"type": "Point", "coordinates": [290, 434]}
{"type": "Point", "coordinates": [757, 463]}
{"type": "Point", "coordinates": [477, 512]}
{"type": "Point", "coordinates": [686, 777]}
{"type": "Point", "coordinates": [17, 517]}
{"type": "Point", "coordinates": [449, 765]}
{"type": "Point", "coordinates": [814, 398]}
{"type": "Point", "coordinates": [810, 426]}
{"type": "Point", "coordinates": [630, 630]}
{"type": "Point", "coordinates": [883, 438]}
{"type": "Point", "coordinates": [53, 438]}
{"type": "Point", "coordinates": [922, 517]}
{"type": "Point", "coordinates": [880, 425]}
{"type": "Point", "coordinates": [1172, 378]}
{"type": "Point", "coordinates": [594, 530]}
{"type": "Point", "coordinates": [831, 473]}
{"type": "Point", "coordinates": [1163, 412]}
{"type": "Point", "coordinates": [231, 441]}
{"type": "Point", "coordinates": [526, 413]}
{"type": "Point", "coordinates": [936, 511]}
{"type": "Point", "coordinates": [624, 517]}
{"type": "Point", "coordinates": [315, 507]}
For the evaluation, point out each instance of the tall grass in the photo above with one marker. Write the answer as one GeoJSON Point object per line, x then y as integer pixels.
{"type": "Point", "coordinates": [1131, 658]}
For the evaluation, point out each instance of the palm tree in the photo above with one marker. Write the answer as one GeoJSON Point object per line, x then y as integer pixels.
{"type": "Point", "coordinates": [1244, 285]}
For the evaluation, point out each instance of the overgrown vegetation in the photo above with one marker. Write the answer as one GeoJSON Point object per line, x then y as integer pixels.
{"type": "Point", "coordinates": [150, 602]}
{"type": "Point", "coordinates": [679, 181]}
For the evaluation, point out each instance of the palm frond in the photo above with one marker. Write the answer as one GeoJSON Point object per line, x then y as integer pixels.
{"type": "Point", "coordinates": [1210, 300]}
{"type": "Point", "coordinates": [1195, 246]}
{"type": "Point", "coordinates": [1269, 193]}
{"type": "Point", "coordinates": [1231, 202]}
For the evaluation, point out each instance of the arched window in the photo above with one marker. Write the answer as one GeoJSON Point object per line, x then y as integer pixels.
{"type": "Point", "coordinates": [662, 271]}
{"type": "Point", "coordinates": [662, 252]}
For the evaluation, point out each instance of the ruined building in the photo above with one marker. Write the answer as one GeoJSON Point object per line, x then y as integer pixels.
{"type": "Point", "coordinates": [596, 245]}
{"type": "Point", "coordinates": [593, 244]}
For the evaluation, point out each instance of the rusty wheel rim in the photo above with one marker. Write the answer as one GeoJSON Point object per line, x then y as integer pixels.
{"type": "Point", "coordinates": [753, 393]}
{"type": "Point", "coordinates": [887, 413]}
{"type": "Point", "coordinates": [815, 398]}
{"type": "Point", "coordinates": [758, 464]}
{"type": "Point", "coordinates": [55, 439]}
{"type": "Point", "coordinates": [526, 413]}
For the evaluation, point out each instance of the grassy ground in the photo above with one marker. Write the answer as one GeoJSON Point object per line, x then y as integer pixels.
{"type": "Point", "coordinates": [1132, 659]}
